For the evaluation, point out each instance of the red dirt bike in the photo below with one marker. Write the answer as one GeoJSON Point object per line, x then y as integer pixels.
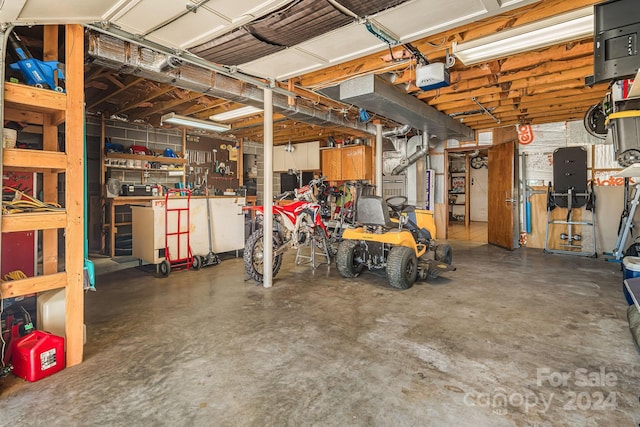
{"type": "Point", "coordinates": [294, 225]}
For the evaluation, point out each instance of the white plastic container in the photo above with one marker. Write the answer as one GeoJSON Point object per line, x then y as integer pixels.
{"type": "Point", "coordinates": [51, 306]}
{"type": "Point", "coordinates": [10, 136]}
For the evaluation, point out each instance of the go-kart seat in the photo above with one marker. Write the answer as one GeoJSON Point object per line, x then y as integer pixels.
{"type": "Point", "coordinates": [373, 210]}
{"type": "Point", "coordinates": [412, 224]}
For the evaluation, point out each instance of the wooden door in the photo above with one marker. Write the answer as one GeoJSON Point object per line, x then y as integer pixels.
{"type": "Point", "coordinates": [503, 224]}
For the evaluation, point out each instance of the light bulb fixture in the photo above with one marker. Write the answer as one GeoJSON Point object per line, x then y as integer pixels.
{"type": "Point", "coordinates": [289, 148]}
{"type": "Point", "coordinates": [175, 119]}
{"type": "Point", "coordinates": [236, 114]}
{"type": "Point", "coordinates": [562, 28]}
{"type": "Point", "coordinates": [382, 33]}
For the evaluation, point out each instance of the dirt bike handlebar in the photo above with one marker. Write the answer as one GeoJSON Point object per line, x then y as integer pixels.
{"type": "Point", "coordinates": [284, 195]}
{"type": "Point", "coordinates": [313, 183]}
{"type": "Point", "coordinates": [317, 181]}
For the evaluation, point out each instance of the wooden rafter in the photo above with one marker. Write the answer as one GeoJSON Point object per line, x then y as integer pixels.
{"type": "Point", "coordinates": [124, 88]}
{"type": "Point", "coordinates": [150, 95]}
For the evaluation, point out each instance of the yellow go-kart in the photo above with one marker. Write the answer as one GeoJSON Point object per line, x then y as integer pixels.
{"type": "Point", "coordinates": [403, 245]}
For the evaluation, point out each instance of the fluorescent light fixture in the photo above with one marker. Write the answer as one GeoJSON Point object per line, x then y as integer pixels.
{"type": "Point", "coordinates": [557, 29]}
{"type": "Point", "coordinates": [236, 114]}
{"type": "Point", "coordinates": [175, 119]}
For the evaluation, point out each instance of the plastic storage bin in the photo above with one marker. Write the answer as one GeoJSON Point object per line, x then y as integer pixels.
{"type": "Point", "coordinates": [630, 269]}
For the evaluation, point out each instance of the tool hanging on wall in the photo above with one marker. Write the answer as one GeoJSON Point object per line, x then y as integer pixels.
{"type": "Point", "coordinates": [36, 72]}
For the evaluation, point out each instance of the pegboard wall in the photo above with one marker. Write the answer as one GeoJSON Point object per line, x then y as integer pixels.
{"type": "Point", "coordinates": [217, 170]}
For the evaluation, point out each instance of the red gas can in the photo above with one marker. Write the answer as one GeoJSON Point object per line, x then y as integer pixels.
{"type": "Point", "coordinates": [38, 355]}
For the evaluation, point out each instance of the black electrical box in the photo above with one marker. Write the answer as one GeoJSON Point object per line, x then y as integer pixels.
{"type": "Point", "coordinates": [136, 190]}
{"type": "Point", "coordinates": [616, 37]}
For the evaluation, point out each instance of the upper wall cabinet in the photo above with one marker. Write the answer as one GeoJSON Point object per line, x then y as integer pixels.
{"type": "Point", "coordinates": [348, 163]}
{"type": "Point", "coordinates": [304, 157]}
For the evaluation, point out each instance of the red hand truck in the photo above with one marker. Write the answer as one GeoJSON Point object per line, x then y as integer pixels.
{"type": "Point", "coordinates": [177, 246]}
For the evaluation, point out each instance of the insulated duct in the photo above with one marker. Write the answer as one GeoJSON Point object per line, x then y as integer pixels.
{"type": "Point", "coordinates": [377, 95]}
{"type": "Point", "coordinates": [405, 163]}
{"type": "Point", "coordinates": [401, 130]}
{"type": "Point", "coordinates": [129, 58]}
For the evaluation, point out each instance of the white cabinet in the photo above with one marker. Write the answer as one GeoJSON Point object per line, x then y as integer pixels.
{"type": "Point", "coordinates": [227, 227]}
{"type": "Point", "coordinates": [304, 157]}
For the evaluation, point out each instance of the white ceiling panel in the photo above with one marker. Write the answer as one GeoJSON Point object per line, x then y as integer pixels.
{"type": "Point", "coordinates": [420, 18]}
{"type": "Point", "coordinates": [237, 13]}
{"type": "Point", "coordinates": [237, 10]}
{"type": "Point", "coordinates": [284, 64]}
{"type": "Point", "coordinates": [67, 11]}
{"type": "Point", "coordinates": [190, 27]}
{"type": "Point", "coordinates": [343, 44]}
{"type": "Point", "coordinates": [146, 14]}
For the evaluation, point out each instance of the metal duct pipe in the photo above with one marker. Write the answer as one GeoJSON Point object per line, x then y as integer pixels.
{"type": "Point", "coordinates": [400, 145]}
{"type": "Point", "coordinates": [405, 163]}
{"type": "Point", "coordinates": [377, 95]}
{"type": "Point", "coordinates": [130, 58]}
{"type": "Point", "coordinates": [400, 130]}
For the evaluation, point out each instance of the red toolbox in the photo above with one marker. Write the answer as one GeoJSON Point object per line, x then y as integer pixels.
{"type": "Point", "coordinates": [38, 355]}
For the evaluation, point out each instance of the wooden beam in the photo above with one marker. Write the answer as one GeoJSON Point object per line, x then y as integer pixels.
{"type": "Point", "coordinates": [50, 193]}
{"type": "Point", "coordinates": [162, 107]}
{"type": "Point", "coordinates": [36, 99]}
{"type": "Point", "coordinates": [96, 73]}
{"type": "Point", "coordinates": [50, 46]}
{"type": "Point", "coordinates": [74, 192]}
{"type": "Point", "coordinates": [147, 97]}
{"type": "Point", "coordinates": [204, 107]}
{"type": "Point", "coordinates": [124, 88]}
{"type": "Point", "coordinates": [555, 53]}
{"type": "Point", "coordinates": [23, 116]}
{"type": "Point", "coordinates": [17, 288]}
{"type": "Point", "coordinates": [33, 221]}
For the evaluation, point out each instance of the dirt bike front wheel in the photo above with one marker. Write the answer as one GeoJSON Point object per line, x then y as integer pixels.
{"type": "Point", "coordinates": [254, 255]}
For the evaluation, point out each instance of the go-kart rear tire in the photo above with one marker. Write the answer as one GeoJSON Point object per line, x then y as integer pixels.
{"type": "Point", "coordinates": [402, 267]}
{"type": "Point", "coordinates": [350, 258]}
{"type": "Point", "coordinates": [444, 253]}
{"type": "Point", "coordinates": [253, 255]}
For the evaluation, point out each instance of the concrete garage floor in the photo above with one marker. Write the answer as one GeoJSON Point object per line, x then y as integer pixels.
{"type": "Point", "coordinates": [509, 339]}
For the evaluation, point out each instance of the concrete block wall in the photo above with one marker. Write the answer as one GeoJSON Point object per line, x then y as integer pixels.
{"type": "Point", "coordinates": [256, 148]}
{"type": "Point", "coordinates": [127, 134]}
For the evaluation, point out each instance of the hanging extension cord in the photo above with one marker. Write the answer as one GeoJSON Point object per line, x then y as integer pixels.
{"type": "Point", "coordinates": [15, 275]}
{"type": "Point", "coordinates": [22, 202]}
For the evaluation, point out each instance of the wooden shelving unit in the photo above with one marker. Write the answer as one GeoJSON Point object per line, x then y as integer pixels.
{"type": "Point", "coordinates": [113, 219]}
{"type": "Point", "coordinates": [158, 159]}
{"type": "Point", "coordinates": [49, 109]}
